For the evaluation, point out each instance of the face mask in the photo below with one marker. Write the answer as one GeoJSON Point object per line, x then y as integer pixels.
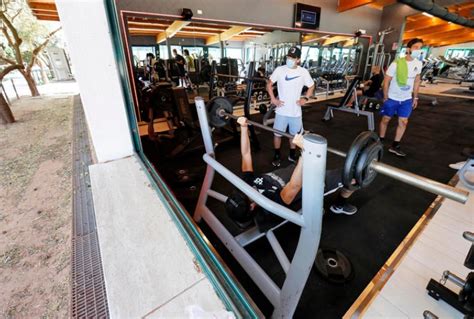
{"type": "Point", "coordinates": [290, 63]}
{"type": "Point", "coordinates": [416, 54]}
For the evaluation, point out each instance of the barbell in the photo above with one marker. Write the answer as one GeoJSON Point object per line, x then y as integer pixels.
{"type": "Point", "coordinates": [362, 160]}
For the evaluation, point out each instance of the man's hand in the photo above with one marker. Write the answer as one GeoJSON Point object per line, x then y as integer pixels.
{"type": "Point", "coordinates": [242, 121]}
{"type": "Point", "coordinates": [415, 103]}
{"type": "Point", "coordinates": [277, 102]}
{"type": "Point", "coordinates": [301, 102]}
{"type": "Point", "coordinates": [298, 140]}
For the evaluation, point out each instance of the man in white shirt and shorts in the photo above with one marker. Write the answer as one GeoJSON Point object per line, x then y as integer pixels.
{"type": "Point", "coordinates": [401, 95]}
{"type": "Point", "coordinates": [290, 79]}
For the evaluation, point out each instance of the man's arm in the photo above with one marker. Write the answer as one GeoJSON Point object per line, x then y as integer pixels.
{"type": "Point", "coordinates": [386, 84]}
{"type": "Point", "coordinates": [416, 87]}
{"type": "Point", "coordinates": [273, 99]}
{"type": "Point", "coordinates": [289, 192]}
{"type": "Point", "coordinates": [247, 165]}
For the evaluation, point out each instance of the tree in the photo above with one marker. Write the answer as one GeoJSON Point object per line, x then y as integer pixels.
{"type": "Point", "coordinates": [22, 39]}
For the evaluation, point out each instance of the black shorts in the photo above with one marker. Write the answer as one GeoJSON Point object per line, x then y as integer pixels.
{"type": "Point", "coordinates": [333, 178]}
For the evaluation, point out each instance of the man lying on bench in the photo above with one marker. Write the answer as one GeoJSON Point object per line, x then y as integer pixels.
{"type": "Point", "coordinates": [282, 186]}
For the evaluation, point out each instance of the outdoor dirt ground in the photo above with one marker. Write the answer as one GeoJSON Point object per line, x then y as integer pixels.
{"type": "Point", "coordinates": [36, 208]}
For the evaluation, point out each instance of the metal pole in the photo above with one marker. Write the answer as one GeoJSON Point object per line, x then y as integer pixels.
{"type": "Point", "coordinates": [14, 88]}
{"type": "Point", "coordinates": [204, 124]}
{"type": "Point", "coordinates": [447, 275]}
{"type": "Point", "coordinates": [314, 169]}
{"type": "Point", "coordinates": [421, 182]}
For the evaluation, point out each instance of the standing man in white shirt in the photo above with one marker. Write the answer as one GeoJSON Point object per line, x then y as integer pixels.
{"type": "Point", "coordinates": [290, 79]}
{"type": "Point", "coordinates": [400, 90]}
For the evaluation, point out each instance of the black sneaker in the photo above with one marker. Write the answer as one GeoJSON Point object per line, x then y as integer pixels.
{"type": "Point", "coordinates": [292, 159]}
{"type": "Point", "coordinates": [276, 161]}
{"type": "Point", "coordinates": [397, 151]}
{"type": "Point", "coordinates": [346, 209]}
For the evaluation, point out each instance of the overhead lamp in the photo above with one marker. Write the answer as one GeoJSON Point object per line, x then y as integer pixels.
{"type": "Point", "coordinates": [427, 14]}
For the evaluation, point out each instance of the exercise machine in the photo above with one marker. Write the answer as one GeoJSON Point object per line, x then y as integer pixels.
{"type": "Point", "coordinates": [342, 106]}
{"type": "Point", "coordinates": [464, 299]}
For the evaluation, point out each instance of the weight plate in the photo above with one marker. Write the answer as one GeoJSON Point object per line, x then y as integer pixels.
{"type": "Point", "coordinates": [214, 107]}
{"type": "Point", "coordinates": [333, 266]}
{"type": "Point", "coordinates": [364, 175]}
{"type": "Point", "coordinates": [262, 108]}
{"type": "Point", "coordinates": [357, 146]}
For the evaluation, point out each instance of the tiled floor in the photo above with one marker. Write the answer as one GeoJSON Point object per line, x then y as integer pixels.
{"type": "Point", "coordinates": [439, 247]}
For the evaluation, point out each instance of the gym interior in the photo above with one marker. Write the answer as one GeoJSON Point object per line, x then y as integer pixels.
{"type": "Point", "coordinates": [183, 72]}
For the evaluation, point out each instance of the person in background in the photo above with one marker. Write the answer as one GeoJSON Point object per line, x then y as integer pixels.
{"type": "Point", "coordinates": [290, 80]}
{"type": "Point", "coordinates": [181, 62]}
{"type": "Point", "coordinates": [190, 68]}
{"type": "Point", "coordinates": [400, 90]}
{"type": "Point", "coordinates": [370, 87]}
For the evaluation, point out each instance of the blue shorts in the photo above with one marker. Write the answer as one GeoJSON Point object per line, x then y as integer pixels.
{"type": "Point", "coordinates": [294, 124]}
{"type": "Point", "coordinates": [400, 108]}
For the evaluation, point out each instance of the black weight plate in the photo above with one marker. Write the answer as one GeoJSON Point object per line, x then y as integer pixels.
{"type": "Point", "coordinates": [364, 175]}
{"type": "Point", "coordinates": [359, 143]}
{"type": "Point", "coordinates": [262, 108]}
{"type": "Point", "coordinates": [214, 106]}
{"type": "Point", "coordinates": [333, 266]}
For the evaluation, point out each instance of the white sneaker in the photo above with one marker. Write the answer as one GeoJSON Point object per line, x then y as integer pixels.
{"type": "Point", "coordinates": [458, 165]}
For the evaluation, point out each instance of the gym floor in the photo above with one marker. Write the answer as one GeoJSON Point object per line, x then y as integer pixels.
{"type": "Point", "coordinates": [387, 209]}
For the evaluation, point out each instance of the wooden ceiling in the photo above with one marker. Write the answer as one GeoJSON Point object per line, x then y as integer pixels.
{"type": "Point", "coordinates": [434, 31]}
{"type": "Point", "coordinates": [210, 32]}
{"type": "Point", "coordinates": [44, 9]}
{"type": "Point", "coordinates": [437, 32]}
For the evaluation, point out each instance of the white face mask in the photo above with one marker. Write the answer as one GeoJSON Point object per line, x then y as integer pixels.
{"type": "Point", "coordinates": [416, 54]}
{"type": "Point", "coordinates": [290, 63]}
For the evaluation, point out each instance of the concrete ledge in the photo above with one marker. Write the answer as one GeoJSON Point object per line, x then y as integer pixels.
{"type": "Point", "coordinates": [148, 268]}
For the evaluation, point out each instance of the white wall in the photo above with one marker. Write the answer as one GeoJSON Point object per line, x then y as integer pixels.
{"type": "Point", "coordinates": [441, 50]}
{"type": "Point", "coordinates": [90, 46]}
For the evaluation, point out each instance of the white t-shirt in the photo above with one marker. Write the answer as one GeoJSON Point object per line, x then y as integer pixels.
{"type": "Point", "coordinates": [397, 93]}
{"type": "Point", "coordinates": [290, 82]}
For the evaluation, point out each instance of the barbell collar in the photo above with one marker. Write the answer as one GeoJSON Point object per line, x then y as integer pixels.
{"type": "Point", "coordinates": [421, 182]}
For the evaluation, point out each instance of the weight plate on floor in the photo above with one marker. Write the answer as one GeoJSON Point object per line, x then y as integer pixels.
{"type": "Point", "coordinates": [333, 266]}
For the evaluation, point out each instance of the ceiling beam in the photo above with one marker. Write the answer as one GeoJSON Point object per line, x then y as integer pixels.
{"type": "Point", "coordinates": [47, 18]}
{"type": "Point", "coordinates": [452, 41]}
{"type": "Point", "coordinates": [308, 38]}
{"type": "Point", "coordinates": [335, 39]}
{"type": "Point", "coordinates": [448, 35]}
{"type": "Point", "coordinates": [447, 38]}
{"type": "Point", "coordinates": [345, 5]}
{"type": "Point", "coordinates": [433, 30]}
{"type": "Point", "coordinates": [42, 5]}
{"type": "Point", "coordinates": [227, 35]}
{"type": "Point", "coordinates": [423, 23]}
{"type": "Point", "coordinates": [171, 30]}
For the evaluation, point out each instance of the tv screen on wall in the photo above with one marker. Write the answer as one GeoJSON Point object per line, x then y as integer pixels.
{"type": "Point", "coordinates": [306, 16]}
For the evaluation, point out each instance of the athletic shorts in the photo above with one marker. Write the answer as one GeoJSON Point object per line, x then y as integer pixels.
{"type": "Point", "coordinates": [282, 122]}
{"type": "Point", "coordinates": [400, 108]}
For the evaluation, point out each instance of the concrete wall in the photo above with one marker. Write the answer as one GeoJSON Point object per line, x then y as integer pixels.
{"type": "Point", "coordinates": [273, 12]}
{"type": "Point", "coordinates": [88, 37]}
{"type": "Point", "coordinates": [394, 16]}
{"type": "Point", "coordinates": [441, 50]}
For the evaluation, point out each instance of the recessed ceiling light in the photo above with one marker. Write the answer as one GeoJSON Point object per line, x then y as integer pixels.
{"type": "Point", "coordinates": [427, 14]}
